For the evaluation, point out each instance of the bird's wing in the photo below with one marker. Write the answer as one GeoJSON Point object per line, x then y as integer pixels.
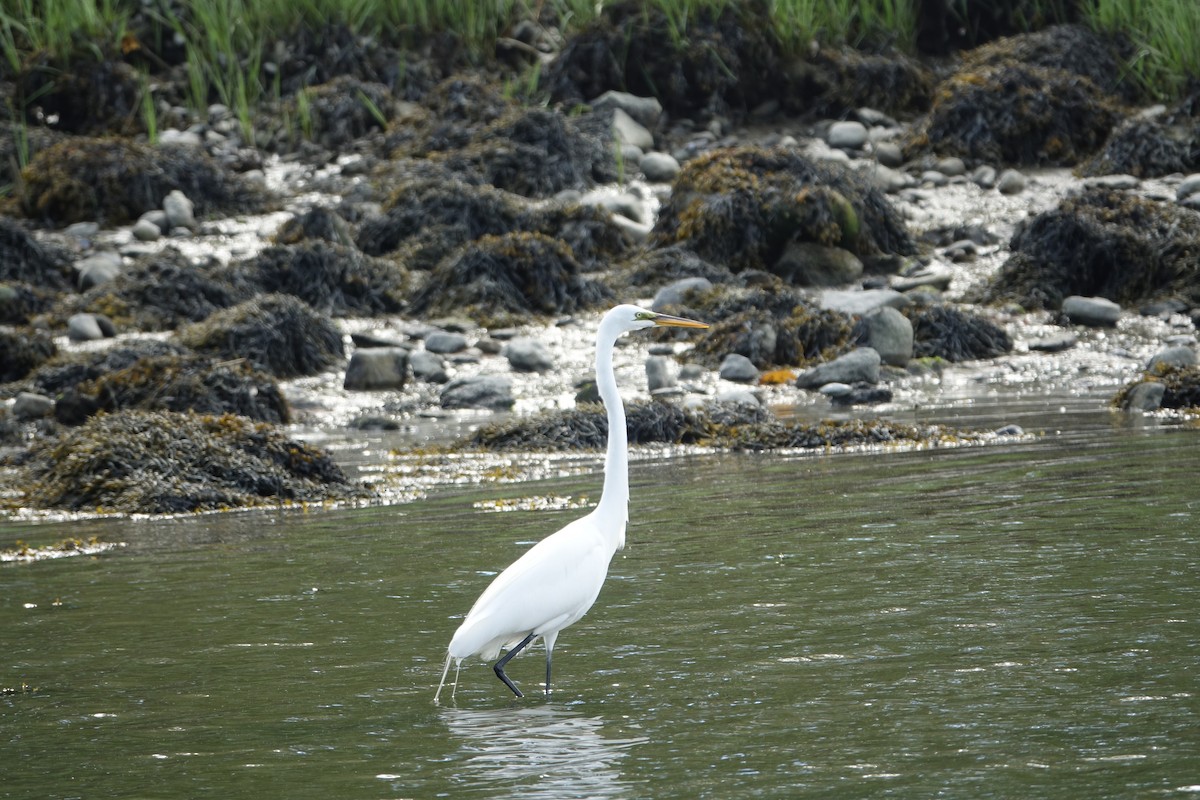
{"type": "Point", "coordinates": [552, 585]}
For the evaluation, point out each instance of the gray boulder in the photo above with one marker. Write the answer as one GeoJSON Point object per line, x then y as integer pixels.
{"type": "Point", "coordinates": [660, 374]}
{"type": "Point", "coordinates": [659, 167]}
{"type": "Point", "coordinates": [89, 327]}
{"type": "Point", "coordinates": [1010, 182]}
{"type": "Point", "coordinates": [889, 154]}
{"type": "Point", "coordinates": [852, 302]}
{"type": "Point", "coordinates": [737, 368]}
{"type": "Point", "coordinates": [889, 333]}
{"type": "Point", "coordinates": [146, 231]}
{"type": "Point", "coordinates": [526, 354]}
{"type": "Point", "coordinates": [1178, 356]}
{"type": "Point", "coordinates": [1145, 396]}
{"type": "Point", "coordinates": [445, 342]}
{"type": "Point", "coordinates": [857, 366]}
{"type": "Point", "coordinates": [952, 166]}
{"type": "Point", "coordinates": [377, 368]}
{"type": "Point", "coordinates": [1054, 343]}
{"type": "Point", "coordinates": [645, 110]}
{"type": "Point", "coordinates": [28, 405]}
{"type": "Point", "coordinates": [984, 176]}
{"type": "Point", "coordinates": [98, 268]}
{"type": "Point", "coordinates": [427, 366]}
{"type": "Point", "coordinates": [847, 135]}
{"type": "Point", "coordinates": [627, 130]}
{"type": "Point", "coordinates": [1187, 187]}
{"type": "Point", "coordinates": [180, 210]}
{"type": "Point", "coordinates": [1092, 311]}
{"type": "Point", "coordinates": [492, 392]}
{"type": "Point", "coordinates": [738, 397]}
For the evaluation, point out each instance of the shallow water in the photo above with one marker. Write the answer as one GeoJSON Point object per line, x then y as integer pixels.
{"type": "Point", "coordinates": [1010, 621]}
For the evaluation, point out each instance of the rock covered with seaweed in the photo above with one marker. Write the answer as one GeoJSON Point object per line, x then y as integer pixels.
{"type": "Point", "coordinates": [162, 462]}
{"type": "Point", "coordinates": [727, 425]}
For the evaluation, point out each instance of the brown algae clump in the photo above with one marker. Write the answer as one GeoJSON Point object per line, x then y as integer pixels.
{"type": "Point", "coordinates": [743, 207]}
{"type": "Point", "coordinates": [162, 462]}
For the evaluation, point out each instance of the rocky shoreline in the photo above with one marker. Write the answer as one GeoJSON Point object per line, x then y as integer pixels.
{"type": "Point", "coordinates": [854, 233]}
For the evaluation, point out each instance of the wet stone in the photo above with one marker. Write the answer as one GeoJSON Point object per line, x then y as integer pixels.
{"type": "Point", "coordinates": [660, 374]}
{"type": "Point", "coordinates": [857, 366]}
{"type": "Point", "coordinates": [146, 231]}
{"type": "Point", "coordinates": [29, 405]}
{"type": "Point", "coordinates": [984, 176]}
{"type": "Point", "coordinates": [1187, 187]}
{"type": "Point", "coordinates": [1011, 182]}
{"type": "Point", "coordinates": [738, 397]}
{"type": "Point", "coordinates": [427, 366]}
{"type": "Point", "coordinates": [890, 334]}
{"type": "Point", "coordinates": [952, 166]}
{"type": "Point", "coordinates": [445, 342]}
{"type": "Point", "coordinates": [377, 368]}
{"type": "Point", "coordinates": [852, 302]}
{"type": "Point", "coordinates": [659, 167]}
{"type": "Point", "coordinates": [1054, 343]}
{"type": "Point", "coordinates": [859, 394]}
{"type": "Point", "coordinates": [737, 368]}
{"type": "Point", "coordinates": [889, 154]}
{"type": "Point", "coordinates": [526, 354]}
{"type": "Point", "coordinates": [847, 135]}
{"type": "Point", "coordinates": [98, 268]}
{"type": "Point", "coordinates": [1178, 356]}
{"type": "Point", "coordinates": [84, 328]}
{"type": "Point", "coordinates": [492, 392]}
{"type": "Point", "coordinates": [1092, 311]}
{"type": "Point", "coordinates": [627, 130]}
{"type": "Point", "coordinates": [645, 110]}
{"type": "Point", "coordinates": [1145, 396]}
{"type": "Point", "coordinates": [180, 210]}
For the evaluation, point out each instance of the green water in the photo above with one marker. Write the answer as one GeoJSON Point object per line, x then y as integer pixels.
{"type": "Point", "coordinates": [1018, 621]}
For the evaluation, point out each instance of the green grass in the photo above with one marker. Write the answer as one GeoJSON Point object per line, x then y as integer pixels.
{"type": "Point", "coordinates": [59, 27]}
{"type": "Point", "coordinates": [228, 41]}
{"type": "Point", "coordinates": [1166, 34]}
{"type": "Point", "coordinates": [853, 22]}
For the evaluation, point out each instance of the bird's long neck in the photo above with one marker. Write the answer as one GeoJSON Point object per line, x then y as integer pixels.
{"type": "Point", "coordinates": [614, 500]}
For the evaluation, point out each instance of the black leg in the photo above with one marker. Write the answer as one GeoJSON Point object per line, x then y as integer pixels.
{"type": "Point", "coordinates": [547, 673]}
{"type": "Point", "coordinates": [499, 668]}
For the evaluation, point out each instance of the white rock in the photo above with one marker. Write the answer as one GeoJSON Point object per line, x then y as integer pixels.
{"type": "Point", "coordinates": [627, 130]}
{"type": "Point", "coordinates": [646, 110]}
{"type": "Point", "coordinates": [847, 135]}
{"type": "Point", "coordinates": [146, 231]}
{"type": "Point", "coordinates": [661, 167]}
{"type": "Point", "coordinates": [180, 210]}
{"type": "Point", "coordinates": [1010, 182]}
{"type": "Point", "coordinates": [1188, 187]}
{"type": "Point", "coordinates": [172, 136]}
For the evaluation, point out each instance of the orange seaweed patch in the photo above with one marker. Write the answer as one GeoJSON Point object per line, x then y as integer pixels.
{"type": "Point", "coordinates": [776, 377]}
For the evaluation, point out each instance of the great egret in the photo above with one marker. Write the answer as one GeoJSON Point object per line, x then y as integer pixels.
{"type": "Point", "coordinates": [556, 581]}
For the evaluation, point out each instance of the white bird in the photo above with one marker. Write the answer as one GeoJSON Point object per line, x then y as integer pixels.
{"type": "Point", "coordinates": [556, 581]}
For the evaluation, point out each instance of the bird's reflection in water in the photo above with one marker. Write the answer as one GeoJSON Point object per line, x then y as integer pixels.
{"type": "Point", "coordinates": [546, 751]}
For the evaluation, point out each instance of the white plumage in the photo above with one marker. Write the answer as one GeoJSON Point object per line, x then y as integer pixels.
{"type": "Point", "coordinates": [556, 581]}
